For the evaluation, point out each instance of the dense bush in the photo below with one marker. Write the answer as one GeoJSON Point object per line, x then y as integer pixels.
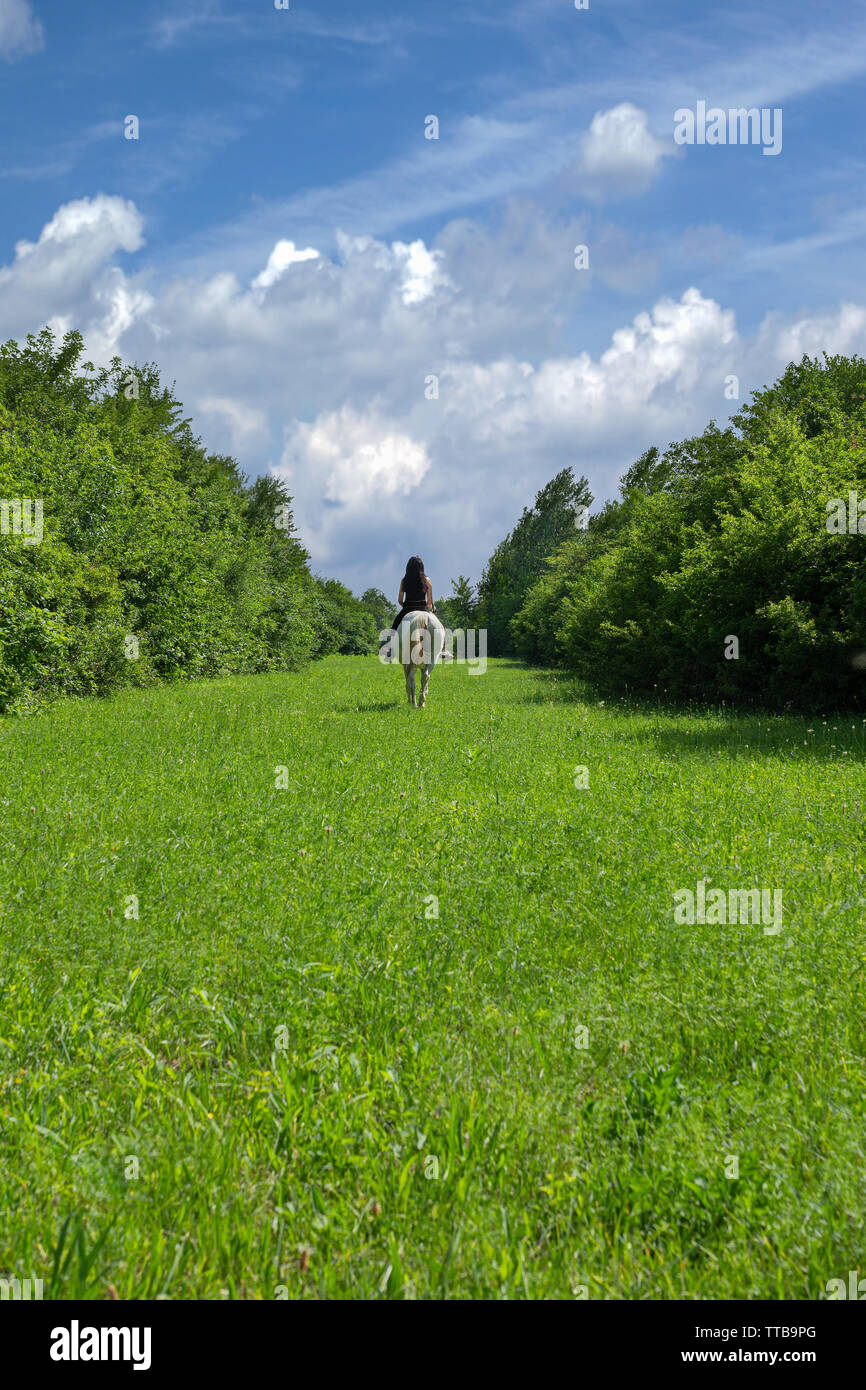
{"type": "Point", "coordinates": [347, 624]}
{"type": "Point", "coordinates": [146, 536]}
{"type": "Point", "coordinates": [724, 536]}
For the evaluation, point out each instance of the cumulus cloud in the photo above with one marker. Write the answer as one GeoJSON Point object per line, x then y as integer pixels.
{"type": "Point", "coordinates": [356, 477]}
{"type": "Point", "coordinates": [646, 382]}
{"type": "Point", "coordinates": [357, 459]}
{"type": "Point", "coordinates": [843, 331]}
{"type": "Point", "coordinates": [421, 272]}
{"type": "Point", "coordinates": [415, 271]}
{"type": "Point", "coordinates": [415, 397]}
{"type": "Point", "coordinates": [619, 155]}
{"type": "Point", "coordinates": [284, 254]}
{"type": "Point", "coordinates": [118, 303]}
{"type": "Point", "coordinates": [20, 31]}
{"type": "Point", "coordinates": [66, 270]}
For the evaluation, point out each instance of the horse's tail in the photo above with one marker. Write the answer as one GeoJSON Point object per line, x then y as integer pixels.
{"type": "Point", "coordinates": [417, 623]}
{"type": "Point", "coordinates": [428, 649]}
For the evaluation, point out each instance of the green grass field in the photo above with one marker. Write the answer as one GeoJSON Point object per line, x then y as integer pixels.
{"type": "Point", "coordinates": [288, 1074]}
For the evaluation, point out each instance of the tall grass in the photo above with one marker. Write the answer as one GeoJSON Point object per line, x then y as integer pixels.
{"type": "Point", "coordinates": [340, 1052]}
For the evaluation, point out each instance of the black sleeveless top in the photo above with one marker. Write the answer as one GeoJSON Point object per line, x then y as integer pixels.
{"type": "Point", "coordinates": [417, 595]}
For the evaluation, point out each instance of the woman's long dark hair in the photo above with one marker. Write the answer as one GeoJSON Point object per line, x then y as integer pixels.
{"type": "Point", "coordinates": [414, 578]}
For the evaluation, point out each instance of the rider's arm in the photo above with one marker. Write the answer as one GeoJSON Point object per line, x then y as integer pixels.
{"type": "Point", "coordinates": [400, 596]}
{"type": "Point", "coordinates": [429, 594]}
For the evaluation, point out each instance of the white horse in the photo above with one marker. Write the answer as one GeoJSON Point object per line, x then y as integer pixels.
{"type": "Point", "coordinates": [422, 638]}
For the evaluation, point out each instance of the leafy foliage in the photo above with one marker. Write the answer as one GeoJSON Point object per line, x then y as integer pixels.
{"type": "Point", "coordinates": [724, 536]}
{"type": "Point", "coordinates": [147, 536]}
{"type": "Point", "coordinates": [518, 561]}
{"type": "Point", "coordinates": [460, 610]}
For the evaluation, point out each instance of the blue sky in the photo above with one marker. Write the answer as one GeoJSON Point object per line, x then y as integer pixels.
{"type": "Point", "coordinates": [267, 136]}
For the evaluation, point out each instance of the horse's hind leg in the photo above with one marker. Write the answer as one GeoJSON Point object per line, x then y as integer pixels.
{"type": "Point", "coordinates": [410, 684]}
{"type": "Point", "coordinates": [425, 681]}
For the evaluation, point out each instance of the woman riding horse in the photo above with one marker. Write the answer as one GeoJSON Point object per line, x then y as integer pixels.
{"type": "Point", "coordinates": [416, 591]}
{"type": "Point", "coordinates": [415, 596]}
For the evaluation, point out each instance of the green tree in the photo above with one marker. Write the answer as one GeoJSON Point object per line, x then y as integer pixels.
{"type": "Point", "coordinates": [380, 608]}
{"type": "Point", "coordinates": [147, 535]}
{"type": "Point", "coordinates": [519, 560]}
{"type": "Point", "coordinates": [725, 536]}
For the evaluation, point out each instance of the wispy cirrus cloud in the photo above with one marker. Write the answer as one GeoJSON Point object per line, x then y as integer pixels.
{"type": "Point", "coordinates": [20, 30]}
{"type": "Point", "coordinates": [533, 137]}
{"type": "Point", "coordinates": [193, 19]}
{"type": "Point", "coordinates": [66, 154]}
{"type": "Point", "coordinates": [479, 159]}
{"type": "Point", "coordinates": [172, 149]}
{"type": "Point", "coordinates": [839, 230]}
{"type": "Point", "coordinates": [175, 149]}
{"type": "Point", "coordinates": [186, 22]}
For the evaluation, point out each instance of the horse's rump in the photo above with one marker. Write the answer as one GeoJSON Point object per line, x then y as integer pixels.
{"type": "Point", "coordinates": [422, 638]}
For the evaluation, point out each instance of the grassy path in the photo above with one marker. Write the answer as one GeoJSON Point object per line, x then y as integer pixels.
{"type": "Point", "coordinates": [289, 1073]}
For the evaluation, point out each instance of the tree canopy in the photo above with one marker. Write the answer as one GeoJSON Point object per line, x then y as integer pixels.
{"type": "Point", "coordinates": [158, 559]}
{"type": "Point", "coordinates": [714, 574]}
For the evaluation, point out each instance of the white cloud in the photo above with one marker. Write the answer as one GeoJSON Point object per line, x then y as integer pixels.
{"type": "Point", "coordinates": [83, 234]}
{"type": "Point", "coordinates": [247, 427]}
{"type": "Point", "coordinates": [652, 369]}
{"type": "Point", "coordinates": [422, 271]}
{"type": "Point", "coordinates": [20, 31]}
{"type": "Point", "coordinates": [619, 155]}
{"type": "Point", "coordinates": [842, 331]}
{"type": "Point", "coordinates": [357, 460]}
{"type": "Point", "coordinates": [284, 254]}
{"type": "Point", "coordinates": [67, 272]}
{"type": "Point", "coordinates": [191, 17]}
{"type": "Point", "coordinates": [318, 370]}
{"type": "Point", "coordinates": [412, 270]}
{"type": "Point", "coordinates": [119, 302]}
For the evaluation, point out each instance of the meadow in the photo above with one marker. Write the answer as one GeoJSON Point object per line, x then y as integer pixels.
{"type": "Point", "coordinates": [304, 994]}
